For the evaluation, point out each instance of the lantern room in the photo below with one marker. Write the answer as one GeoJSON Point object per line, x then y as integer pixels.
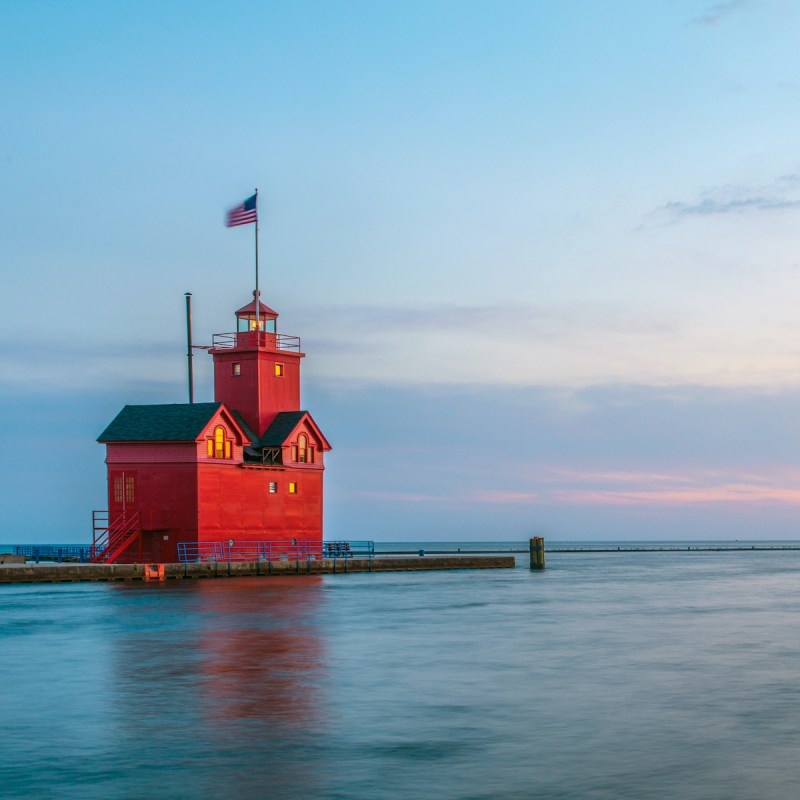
{"type": "Point", "coordinates": [256, 317]}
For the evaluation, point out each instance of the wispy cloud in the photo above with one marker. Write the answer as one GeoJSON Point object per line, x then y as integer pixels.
{"type": "Point", "coordinates": [556, 486]}
{"type": "Point", "coordinates": [685, 488]}
{"type": "Point", "coordinates": [714, 14]}
{"type": "Point", "coordinates": [723, 494]}
{"type": "Point", "coordinates": [616, 477]}
{"type": "Point", "coordinates": [502, 497]}
{"type": "Point", "coordinates": [547, 321]}
{"type": "Point", "coordinates": [488, 497]}
{"type": "Point", "coordinates": [716, 205]}
{"type": "Point", "coordinates": [782, 194]}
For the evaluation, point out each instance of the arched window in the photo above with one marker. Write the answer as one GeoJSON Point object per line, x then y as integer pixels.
{"type": "Point", "coordinates": [218, 446]}
{"type": "Point", "coordinates": [302, 448]}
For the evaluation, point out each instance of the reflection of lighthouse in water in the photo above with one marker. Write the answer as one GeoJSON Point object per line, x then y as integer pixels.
{"type": "Point", "coordinates": [237, 681]}
{"type": "Point", "coordinates": [261, 654]}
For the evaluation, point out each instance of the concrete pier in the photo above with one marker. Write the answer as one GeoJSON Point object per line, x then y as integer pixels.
{"type": "Point", "coordinates": [74, 573]}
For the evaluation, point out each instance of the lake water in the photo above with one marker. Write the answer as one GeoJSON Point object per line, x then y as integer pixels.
{"type": "Point", "coordinates": [642, 675]}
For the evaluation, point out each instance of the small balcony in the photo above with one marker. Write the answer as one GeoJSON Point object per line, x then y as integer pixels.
{"type": "Point", "coordinates": [248, 340]}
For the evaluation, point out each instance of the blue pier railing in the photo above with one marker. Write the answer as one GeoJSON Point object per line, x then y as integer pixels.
{"type": "Point", "coordinates": [53, 552]}
{"type": "Point", "coordinates": [272, 551]}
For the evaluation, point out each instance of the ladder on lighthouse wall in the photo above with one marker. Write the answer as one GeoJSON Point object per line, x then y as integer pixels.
{"type": "Point", "coordinates": [112, 537]}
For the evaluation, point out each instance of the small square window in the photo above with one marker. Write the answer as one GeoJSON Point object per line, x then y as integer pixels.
{"type": "Point", "coordinates": [292, 488]}
{"type": "Point", "coordinates": [273, 487]}
{"type": "Point", "coordinates": [279, 370]}
{"type": "Point", "coordinates": [237, 368]}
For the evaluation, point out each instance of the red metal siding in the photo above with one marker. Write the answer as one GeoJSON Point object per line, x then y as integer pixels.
{"type": "Point", "coordinates": [236, 503]}
{"type": "Point", "coordinates": [150, 452]}
{"type": "Point", "coordinates": [166, 496]}
{"type": "Point", "coordinates": [257, 393]}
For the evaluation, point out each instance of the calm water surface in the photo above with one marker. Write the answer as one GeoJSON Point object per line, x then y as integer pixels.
{"type": "Point", "coordinates": [607, 676]}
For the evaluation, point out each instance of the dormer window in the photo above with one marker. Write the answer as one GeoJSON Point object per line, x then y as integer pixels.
{"type": "Point", "coordinates": [300, 451]}
{"type": "Point", "coordinates": [219, 446]}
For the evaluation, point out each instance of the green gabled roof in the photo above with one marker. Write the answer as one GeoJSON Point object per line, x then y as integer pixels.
{"type": "Point", "coordinates": [248, 431]}
{"type": "Point", "coordinates": [281, 427]}
{"type": "Point", "coordinates": [177, 422]}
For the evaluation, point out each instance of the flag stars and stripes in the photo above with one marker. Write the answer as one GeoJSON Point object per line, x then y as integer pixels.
{"type": "Point", "coordinates": [243, 214]}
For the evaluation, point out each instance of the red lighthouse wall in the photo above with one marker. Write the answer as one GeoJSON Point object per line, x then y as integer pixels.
{"type": "Point", "coordinates": [164, 492]}
{"type": "Point", "coordinates": [257, 392]}
{"type": "Point", "coordinates": [252, 512]}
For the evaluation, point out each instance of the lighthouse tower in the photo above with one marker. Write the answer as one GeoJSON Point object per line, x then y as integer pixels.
{"type": "Point", "coordinates": [257, 369]}
{"type": "Point", "coordinates": [247, 468]}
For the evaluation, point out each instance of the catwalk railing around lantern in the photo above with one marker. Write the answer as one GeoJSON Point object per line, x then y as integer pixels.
{"type": "Point", "coordinates": [249, 339]}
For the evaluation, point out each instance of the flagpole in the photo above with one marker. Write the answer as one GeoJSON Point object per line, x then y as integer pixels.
{"type": "Point", "coordinates": [189, 354]}
{"type": "Point", "coordinates": [258, 302]}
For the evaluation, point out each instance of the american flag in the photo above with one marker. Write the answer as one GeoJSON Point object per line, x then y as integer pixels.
{"type": "Point", "coordinates": [243, 214]}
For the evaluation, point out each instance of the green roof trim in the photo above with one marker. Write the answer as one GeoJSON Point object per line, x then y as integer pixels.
{"type": "Point", "coordinates": [176, 422]}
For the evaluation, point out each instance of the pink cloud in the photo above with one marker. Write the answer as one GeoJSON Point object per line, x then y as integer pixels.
{"type": "Point", "coordinates": [725, 493]}
{"type": "Point", "coordinates": [504, 497]}
{"type": "Point", "coordinates": [491, 497]}
{"type": "Point", "coordinates": [616, 476]}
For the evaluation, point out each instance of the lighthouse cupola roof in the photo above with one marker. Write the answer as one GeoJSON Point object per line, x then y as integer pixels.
{"type": "Point", "coordinates": [248, 319]}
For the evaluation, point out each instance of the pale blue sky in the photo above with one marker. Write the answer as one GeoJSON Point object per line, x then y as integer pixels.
{"type": "Point", "coordinates": [543, 256]}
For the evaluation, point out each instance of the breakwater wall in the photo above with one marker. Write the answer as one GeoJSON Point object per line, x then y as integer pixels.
{"type": "Point", "coordinates": [75, 573]}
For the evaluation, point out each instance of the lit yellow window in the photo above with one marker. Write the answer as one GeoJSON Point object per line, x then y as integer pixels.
{"type": "Point", "coordinates": [292, 488]}
{"type": "Point", "coordinates": [227, 449]}
{"type": "Point", "coordinates": [219, 442]}
{"type": "Point", "coordinates": [210, 443]}
{"type": "Point", "coordinates": [279, 370]}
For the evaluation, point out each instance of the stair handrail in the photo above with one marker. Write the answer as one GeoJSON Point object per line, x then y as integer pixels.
{"type": "Point", "coordinates": [113, 536]}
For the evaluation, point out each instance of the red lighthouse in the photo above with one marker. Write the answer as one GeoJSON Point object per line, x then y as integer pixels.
{"type": "Point", "coordinates": [246, 468]}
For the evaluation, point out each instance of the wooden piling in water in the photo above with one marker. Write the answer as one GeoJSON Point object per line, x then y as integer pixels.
{"type": "Point", "coordinates": [537, 552]}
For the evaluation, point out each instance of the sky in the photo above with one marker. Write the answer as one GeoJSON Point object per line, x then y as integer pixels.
{"type": "Point", "coordinates": [544, 257]}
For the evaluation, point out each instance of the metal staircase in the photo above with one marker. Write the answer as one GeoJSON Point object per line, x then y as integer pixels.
{"type": "Point", "coordinates": [113, 537]}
